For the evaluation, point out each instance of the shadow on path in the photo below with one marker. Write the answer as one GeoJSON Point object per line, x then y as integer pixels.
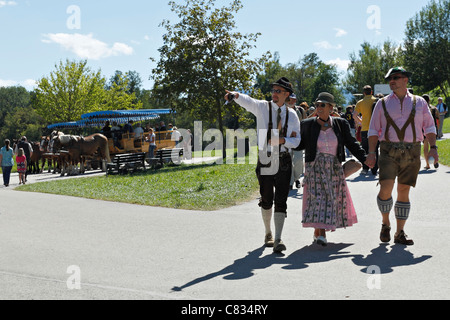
{"type": "Point", "coordinates": [387, 260]}
{"type": "Point", "coordinates": [245, 267]}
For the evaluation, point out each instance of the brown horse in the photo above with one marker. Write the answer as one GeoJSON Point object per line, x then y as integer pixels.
{"type": "Point", "coordinates": [35, 157]}
{"type": "Point", "coordinates": [48, 156]}
{"type": "Point", "coordinates": [83, 146]}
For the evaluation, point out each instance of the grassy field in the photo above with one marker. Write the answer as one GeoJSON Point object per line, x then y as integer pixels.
{"type": "Point", "coordinates": [444, 145]}
{"type": "Point", "coordinates": [193, 187]}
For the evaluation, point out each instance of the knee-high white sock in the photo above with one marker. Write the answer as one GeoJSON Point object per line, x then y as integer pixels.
{"type": "Point", "coordinates": [267, 218]}
{"type": "Point", "coordinates": [279, 219]}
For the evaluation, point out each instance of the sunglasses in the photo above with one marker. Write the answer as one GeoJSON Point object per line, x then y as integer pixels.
{"type": "Point", "coordinates": [321, 105]}
{"type": "Point", "coordinates": [395, 78]}
{"type": "Point", "coordinates": [277, 91]}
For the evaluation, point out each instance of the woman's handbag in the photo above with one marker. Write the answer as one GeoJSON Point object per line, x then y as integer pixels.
{"type": "Point", "coordinates": [351, 167]}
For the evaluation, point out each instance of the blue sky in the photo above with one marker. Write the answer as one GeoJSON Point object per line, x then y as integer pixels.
{"type": "Point", "coordinates": [122, 35]}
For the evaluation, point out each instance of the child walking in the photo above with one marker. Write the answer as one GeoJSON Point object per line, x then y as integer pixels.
{"type": "Point", "coordinates": [21, 161]}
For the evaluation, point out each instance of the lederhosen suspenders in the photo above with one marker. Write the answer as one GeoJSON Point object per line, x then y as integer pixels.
{"type": "Point", "coordinates": [391, 123]}
{"type": "Point", "coordinates": [284, 130]}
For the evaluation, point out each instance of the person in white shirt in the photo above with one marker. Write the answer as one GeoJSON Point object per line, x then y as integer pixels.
{"type": "Point", "coordinates": [276, 145]}
{"type": "Point", "coordinates": [176, 136]}
{"type": "Point", "coordinates": [152, 145]}
{"type": "Point", "coordinates": [138, 132]}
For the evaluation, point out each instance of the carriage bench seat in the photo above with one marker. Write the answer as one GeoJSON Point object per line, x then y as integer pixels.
{"type": "Point", "coordinates": [124, 163]}
{"type": "Point", "coordinates": [164, 156]}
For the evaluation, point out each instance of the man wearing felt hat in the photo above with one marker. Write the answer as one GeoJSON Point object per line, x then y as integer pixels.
{"type": "Point", "coordinates": [399, 122]}
{"type": "Point", "coordinates": [278, 132]}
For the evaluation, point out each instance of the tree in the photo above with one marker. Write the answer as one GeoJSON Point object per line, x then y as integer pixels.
{"type": "Point", "coordinates": [17, 117]}
{"type": "Point", "coordinates": [371, 65]}
{"type": "Point", "coordinates": [427, 47]}
{"type": "Point", "coordinates": [121, 92]}
{"type": "Point", "coordinates": [202, 56]}
{"type": "Point", "coordinates": [70, 91]}
{"type": "Point", "coordinates": [272, 70]}
{"type": "Point", "coordinates": [309, 77]}
{"type": "Point", "coordinates": [131, 80]}
{"type": "Point", "coordinates": [327, 80]}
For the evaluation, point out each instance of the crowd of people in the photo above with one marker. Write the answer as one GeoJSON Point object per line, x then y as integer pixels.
{"type": "Point", "coordinates": [384, 133]}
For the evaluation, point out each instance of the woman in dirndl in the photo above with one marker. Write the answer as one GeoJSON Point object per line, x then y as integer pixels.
{"type": "Point", "coordinates": [327, 203]}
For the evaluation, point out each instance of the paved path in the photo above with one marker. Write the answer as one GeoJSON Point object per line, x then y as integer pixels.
{"type": "Point", "coordinates": [123, 251]}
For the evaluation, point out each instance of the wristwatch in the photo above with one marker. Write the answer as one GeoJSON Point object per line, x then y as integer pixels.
{"type": "Point", "coordinates": [434, 147]}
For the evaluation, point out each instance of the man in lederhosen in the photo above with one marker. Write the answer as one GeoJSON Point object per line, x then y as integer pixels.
{"type": "Point", "coordinates": [398, 121]}
{"type": "Point", "coordinates": [278, 132]}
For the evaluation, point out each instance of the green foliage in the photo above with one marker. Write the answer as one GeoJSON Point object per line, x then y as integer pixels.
{"type": "Point", "coordinates": [371, 65]}
{"type": "Point", "coordinates": [17, 117]}
{"type": "Point", "coordinates": [202, 56]}
{"type": "Point", "coordinates": [68, 92]}
{"type": "Point", "coordinates": [73, 89]}
{"type": "Point", "coordinates": [130, 83]}
{"type": "Point", "coordinates": [120, 94]}
{"type": "Point", "coordinates": [427, 47]}
{"type": "Point", "coordinates": [309, 77]}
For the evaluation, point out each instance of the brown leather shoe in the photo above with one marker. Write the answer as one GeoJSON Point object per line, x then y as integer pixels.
{"type": "Point", "coordinates": [268, 241]}
{"type": "Point", "coordinates": [401, 239]}
{"type": "Point", "coordinates": [385, 235]}
{"type": "Point", "coordinates": [279, 246]}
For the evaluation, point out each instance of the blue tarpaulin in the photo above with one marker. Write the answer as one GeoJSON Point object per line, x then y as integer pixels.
{"type": "Point", "coordinates": [96, 119]}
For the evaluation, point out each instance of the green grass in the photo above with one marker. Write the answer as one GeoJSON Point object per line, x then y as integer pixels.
{"type": "Point", "coordinates": [444, 152]}
{"type": "Point", "coordinates": [444, 145]}
{"type": "Point", "coordinates": [194, 187]}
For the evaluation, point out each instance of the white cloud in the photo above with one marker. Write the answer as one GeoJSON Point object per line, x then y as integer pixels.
{"type": "Point", "coordinates": [341, 64]}
{"type": "Point", "coordinates": [340, 32]}
{"type": "Point", "coordinates": [86, 46]}
{"type": "Point", "coordinates": [28, 84]}
{"type": "Point", "coordinates": [326, 45]}
{"type": "Point", "coordinates": [7, 3]}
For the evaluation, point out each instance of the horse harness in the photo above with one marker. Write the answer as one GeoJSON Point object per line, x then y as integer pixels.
{"type": "Point", "coordinates": [400, 132]}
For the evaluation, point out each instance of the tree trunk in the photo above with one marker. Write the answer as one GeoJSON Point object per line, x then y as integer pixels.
{"type": "Point", "coordinates": [220, 122]}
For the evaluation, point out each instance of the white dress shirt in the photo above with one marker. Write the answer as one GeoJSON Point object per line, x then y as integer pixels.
{"type": "Point", "coordinates": [260, 108]}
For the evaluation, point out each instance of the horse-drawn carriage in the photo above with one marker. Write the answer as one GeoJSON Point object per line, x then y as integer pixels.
{"type": "Point", "coordinates": [97, 150]}
{"type": "Point", "coordinates": [124, 142]}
